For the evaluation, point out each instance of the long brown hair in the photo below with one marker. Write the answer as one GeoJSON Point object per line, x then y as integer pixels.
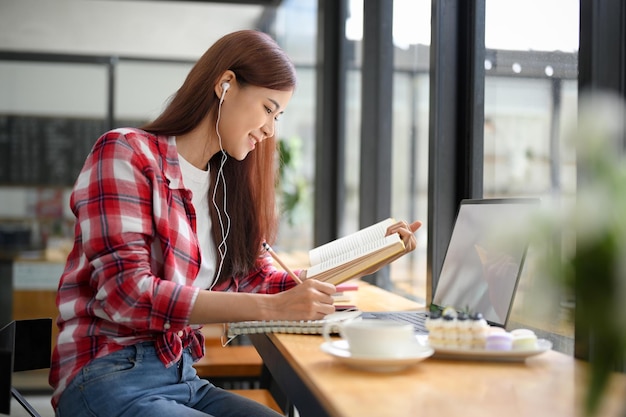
{"type": "Point", "coordinates": [256, 59]}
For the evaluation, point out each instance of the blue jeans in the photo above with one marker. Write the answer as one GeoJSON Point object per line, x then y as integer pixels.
{"type": "Point", "coordinates": [133, 382]}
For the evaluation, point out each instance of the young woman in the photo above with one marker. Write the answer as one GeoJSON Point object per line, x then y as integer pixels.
{"type": "Point", "coordinates": [170, 221]}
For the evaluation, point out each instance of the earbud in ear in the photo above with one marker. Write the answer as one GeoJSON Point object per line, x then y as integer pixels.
{"type": "Point", "coordinates": [225, 87]}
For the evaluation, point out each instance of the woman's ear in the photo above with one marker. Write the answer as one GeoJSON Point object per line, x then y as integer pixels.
{"type": "Point", "coordinates": [226, 81]}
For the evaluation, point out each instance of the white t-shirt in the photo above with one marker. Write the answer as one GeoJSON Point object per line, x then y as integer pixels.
{"type": "Point", "coordinates": [197, 181]}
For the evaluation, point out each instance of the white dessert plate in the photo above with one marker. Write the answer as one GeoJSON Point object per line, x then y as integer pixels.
{"type": "Point", "coordinates": [339, 350]}
{"type": "Point", "coordinates": [543, 345]}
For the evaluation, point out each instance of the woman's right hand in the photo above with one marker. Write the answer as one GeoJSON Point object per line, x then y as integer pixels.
{"type": "Point", "coordinates": [311, 300]}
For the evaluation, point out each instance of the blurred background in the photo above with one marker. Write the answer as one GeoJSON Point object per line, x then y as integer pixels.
{"type": "Point", "coordinates": [71, 69]}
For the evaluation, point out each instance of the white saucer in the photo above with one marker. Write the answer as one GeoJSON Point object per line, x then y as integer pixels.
{"type": "Point", "coordinates": [339, 350]}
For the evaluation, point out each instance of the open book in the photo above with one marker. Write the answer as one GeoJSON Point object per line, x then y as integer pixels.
{"type": "Point", "coordinates": [349, 256]}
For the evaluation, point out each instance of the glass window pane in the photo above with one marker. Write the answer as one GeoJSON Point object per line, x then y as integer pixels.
{"type": "Point", "coordinates": [50, 116]}
{"type": "Point", "coordinates": [411, 38]}
{"type": "Point", "coordinates": [296, 33]}
{"type": "Point", "coordinates": [530, 102]}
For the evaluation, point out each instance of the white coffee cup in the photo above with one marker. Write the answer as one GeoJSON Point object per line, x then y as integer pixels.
{"type": "Point", "coordinates": [373, 338]}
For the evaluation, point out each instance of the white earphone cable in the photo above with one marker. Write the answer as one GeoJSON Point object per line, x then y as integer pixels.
{"type": "Point", "coordinates": [222, 247]}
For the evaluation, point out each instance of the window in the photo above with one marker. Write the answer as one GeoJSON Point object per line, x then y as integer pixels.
{"type": "Point", "coordinates": [411, 39]}
{"type": "Point", "coordinates": [530, 101]}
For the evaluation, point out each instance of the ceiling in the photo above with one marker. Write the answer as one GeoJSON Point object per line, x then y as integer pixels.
{"type": "Point", "coordinates": [143, 28]}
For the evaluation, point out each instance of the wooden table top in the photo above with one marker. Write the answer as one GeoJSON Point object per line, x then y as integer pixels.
{"type": "Point", "coordinates": [550, 384]}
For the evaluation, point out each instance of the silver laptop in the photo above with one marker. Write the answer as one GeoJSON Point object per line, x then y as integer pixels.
{"type": "Point", "coordinates": [483, 262]}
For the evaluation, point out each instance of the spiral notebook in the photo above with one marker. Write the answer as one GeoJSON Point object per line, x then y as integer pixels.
{"type": "Point", "coordinates": [287, 326]}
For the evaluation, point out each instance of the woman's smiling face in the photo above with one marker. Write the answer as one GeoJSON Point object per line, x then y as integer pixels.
{"type": "Point", "coordinates": [248, 115]}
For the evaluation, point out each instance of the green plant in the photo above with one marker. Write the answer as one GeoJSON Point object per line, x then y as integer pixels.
{"type": "Point", "coordinates": [590, 236]}
{"type": "Point", "coordinates": [290, 185]}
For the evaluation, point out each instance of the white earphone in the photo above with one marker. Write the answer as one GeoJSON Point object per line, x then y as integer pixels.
{"type": "Point", "coordinates": [225, 87]}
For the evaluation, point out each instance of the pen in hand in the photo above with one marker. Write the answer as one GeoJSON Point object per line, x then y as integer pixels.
{"type": "Point", "coordinates": [269, 249]}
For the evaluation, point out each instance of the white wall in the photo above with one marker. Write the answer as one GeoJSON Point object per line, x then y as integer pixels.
{"type": "Point", "coordinates": [53, 89]}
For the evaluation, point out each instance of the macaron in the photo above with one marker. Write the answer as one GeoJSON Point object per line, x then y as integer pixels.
{"type": "Point", "coordinates": [524, 339]}
{"type": "Point", "coordinates": [499, 340]}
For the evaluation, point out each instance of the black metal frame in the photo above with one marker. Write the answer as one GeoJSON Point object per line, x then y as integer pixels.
{"type": "Point", "coordinates": [376, 120]}
{"type": "Point", "coordinates": [24, 345]}
{"type": "Point", "coordinates": [287, 379]}
{"type": "Point", "coordinates": [456, 120]}
{"type": "Point", "coordinates": [602, 67]}
{"type": "Point", "coordinates": [330, 120]}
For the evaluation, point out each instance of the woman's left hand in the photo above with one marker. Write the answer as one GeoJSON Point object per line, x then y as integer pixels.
{"type": "Point", "coordinates": [406, 232]}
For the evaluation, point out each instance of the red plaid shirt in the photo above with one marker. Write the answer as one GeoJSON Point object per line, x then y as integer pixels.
{"type": "Point", "coordinates": [129, 277]}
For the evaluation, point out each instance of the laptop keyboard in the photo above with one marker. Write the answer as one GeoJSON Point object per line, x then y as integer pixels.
{"type": "Point", "coordinates": [416, 318]}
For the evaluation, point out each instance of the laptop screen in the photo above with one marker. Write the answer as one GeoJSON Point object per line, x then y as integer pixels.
{"type": "Point", "coordinates": [485, 257]}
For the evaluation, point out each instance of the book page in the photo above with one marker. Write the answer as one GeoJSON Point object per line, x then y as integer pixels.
{"type": "Point", "coordinates": [344, 260]}
{"type": "Point", "coordinates": [350, 246]}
